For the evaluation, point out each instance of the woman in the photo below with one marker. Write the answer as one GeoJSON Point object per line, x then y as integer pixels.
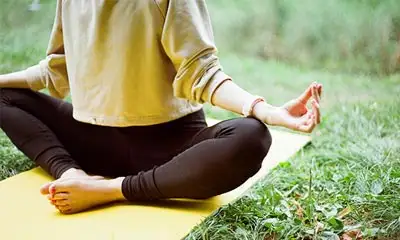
{"type": "Point", "coordinates": [138, 73]}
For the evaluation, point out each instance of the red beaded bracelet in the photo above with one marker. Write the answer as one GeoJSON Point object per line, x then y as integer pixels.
{"type": "Point", "coordinates": [247, 109]}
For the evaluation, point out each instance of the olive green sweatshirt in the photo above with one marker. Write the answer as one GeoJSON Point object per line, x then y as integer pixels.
{"type": "Point", "coordinates": [130, 62]}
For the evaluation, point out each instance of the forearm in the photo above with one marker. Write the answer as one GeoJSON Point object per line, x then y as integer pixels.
{"type": "Point", "coordinates": [231, 97]}
{"type": "Point", "coordinates": [14, 80]}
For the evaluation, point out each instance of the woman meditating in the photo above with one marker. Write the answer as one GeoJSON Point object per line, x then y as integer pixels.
{"type": "Point", "coordinates": [138, 73]}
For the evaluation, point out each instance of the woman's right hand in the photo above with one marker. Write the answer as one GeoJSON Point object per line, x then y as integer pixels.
{"type": "Point", "coordinates": [294, 114]}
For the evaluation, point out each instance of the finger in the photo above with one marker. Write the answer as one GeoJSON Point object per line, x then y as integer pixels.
{"type": "Point", "coordinates": [307, 123]}
{"type": "Point", "coordinates": [319, 88]}
{"type": "Point", "coordinates": [315, 94]}
{"type": "Point", "coordinates": [316, 112]}
{"type": "Point", "coordinates": [305, 120]}
{"type": "Point", "coordinates": [307, 128]}
{"type": "Point", "coordinates": [311, 119]}
{"type": "Point", "coordinates": [309, 115]}
{"type": "Point", "coordinates": [305, 96]}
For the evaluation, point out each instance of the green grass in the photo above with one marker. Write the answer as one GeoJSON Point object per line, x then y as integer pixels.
{"type": "Point", "coordinates": [353, 162]}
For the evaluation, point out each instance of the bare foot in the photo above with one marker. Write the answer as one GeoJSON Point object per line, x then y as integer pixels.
{"type": "Point", "coordinates": [70, 173]}
{"type": "Point", "coordinates": [78, 194]}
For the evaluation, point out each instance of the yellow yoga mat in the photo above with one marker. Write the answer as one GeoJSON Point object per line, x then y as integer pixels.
{"type": "Point", "coordinates": [25, 214]}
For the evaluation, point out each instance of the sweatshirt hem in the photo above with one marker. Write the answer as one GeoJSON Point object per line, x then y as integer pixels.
{"type": "Point", "coordinates": [119, 121]}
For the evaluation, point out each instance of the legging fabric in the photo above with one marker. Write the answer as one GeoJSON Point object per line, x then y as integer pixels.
{"type": "Point", "coordinates": [179, 159]}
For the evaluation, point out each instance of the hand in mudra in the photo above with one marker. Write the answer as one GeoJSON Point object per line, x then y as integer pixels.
{"type": "Point", "coordinates": [296, 115]}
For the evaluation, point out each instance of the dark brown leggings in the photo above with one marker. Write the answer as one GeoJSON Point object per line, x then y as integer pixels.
{"type": "Point", "coordinates": [179, 159]}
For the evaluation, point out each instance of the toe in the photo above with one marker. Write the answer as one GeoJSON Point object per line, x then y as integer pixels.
{"type": "Point", "coordinates": [52, 202]}
{"type": "Point", "coordinates": [62, 203]}
{"type": "Point", "coordinates": [62, 186]}
{"type": "Point", "coordinates": [45, 189]}
{"type": "Point", "coordinates": [64, 209]}
{"type": "Point", "coordinates": [60, 196]}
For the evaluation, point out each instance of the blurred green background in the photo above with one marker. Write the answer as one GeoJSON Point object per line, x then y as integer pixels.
{"type": "Point", "coordinates": [360, 36]}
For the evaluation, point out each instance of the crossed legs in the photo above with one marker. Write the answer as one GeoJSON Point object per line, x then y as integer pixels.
{"type": "Point", "coordinates": [180, 159]}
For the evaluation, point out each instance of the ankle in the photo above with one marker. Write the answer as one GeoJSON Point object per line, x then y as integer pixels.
{"type": "Point", "coordinates": [116, 189]}
{"type": "Point", "coordinates": [73, 173]}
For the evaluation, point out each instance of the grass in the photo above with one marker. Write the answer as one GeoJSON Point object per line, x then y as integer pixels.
{"type": "Point", "coordinates": [348, 178]}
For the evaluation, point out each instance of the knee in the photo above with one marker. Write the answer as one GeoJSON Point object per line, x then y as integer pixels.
{"type": "Point", "coordinates": [249, 141]}
{"type": "Point", "coordinates": [254, 137]}
{"type": "Point", "coordinates": [252, 141]}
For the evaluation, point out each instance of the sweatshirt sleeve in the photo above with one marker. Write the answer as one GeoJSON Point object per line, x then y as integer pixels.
{"type": "Point", "coordinates": [187, 39]}
{"type": "Point", "coordinates": [51, 72]}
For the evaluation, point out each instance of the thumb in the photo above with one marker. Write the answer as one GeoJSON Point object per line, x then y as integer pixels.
{"type": "Point", "coordinates": [307, 94]}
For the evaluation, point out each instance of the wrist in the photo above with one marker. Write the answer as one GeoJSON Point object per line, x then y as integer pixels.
{"type": "Point", "coordinates": [265, 112]}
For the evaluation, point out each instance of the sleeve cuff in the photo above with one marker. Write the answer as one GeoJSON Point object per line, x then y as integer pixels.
{"type": "Point", "coordinates": [216, 80]}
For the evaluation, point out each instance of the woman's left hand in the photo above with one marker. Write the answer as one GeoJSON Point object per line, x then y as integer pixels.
{"type": "Point", "coordinates": [295, 114]}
